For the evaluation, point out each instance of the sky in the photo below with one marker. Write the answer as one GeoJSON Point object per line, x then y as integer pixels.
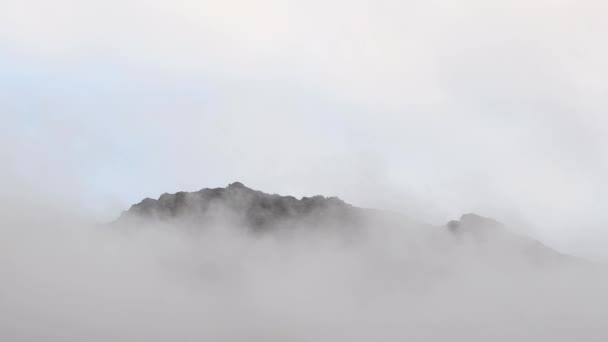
{"type": "Point", "coordinates": [430, 108]}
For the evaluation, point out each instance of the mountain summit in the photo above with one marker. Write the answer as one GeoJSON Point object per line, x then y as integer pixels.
{"type": "Point", "coordinates": [247, 207]}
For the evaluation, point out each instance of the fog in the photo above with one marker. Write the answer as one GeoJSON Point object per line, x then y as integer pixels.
{"type": "Point", "coordinates": [429, 109]}
{"type": "Point", "coordinates": [64, 279]}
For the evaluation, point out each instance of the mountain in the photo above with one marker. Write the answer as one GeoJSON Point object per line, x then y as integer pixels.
{"type": "Point", "coordinates": [243, 207]}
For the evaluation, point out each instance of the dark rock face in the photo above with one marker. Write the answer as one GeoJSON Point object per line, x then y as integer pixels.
{"type": "Point", "coordinates": [241, 205]}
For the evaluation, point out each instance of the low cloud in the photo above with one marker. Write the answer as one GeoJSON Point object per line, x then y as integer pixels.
{"type": "Point", "coordinates": [65, 280]}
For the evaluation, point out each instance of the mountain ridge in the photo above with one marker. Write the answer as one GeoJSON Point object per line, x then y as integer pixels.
{"type": "Point", "coordinates": [252, 208]}
{"type": "Point", "coordinates": [239, 205]}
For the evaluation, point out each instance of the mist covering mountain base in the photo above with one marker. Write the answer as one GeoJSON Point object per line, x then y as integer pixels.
{"type": "Point", "coordinates": [257, 212]}
{"type": "Point", "coordinates": [236, 264]}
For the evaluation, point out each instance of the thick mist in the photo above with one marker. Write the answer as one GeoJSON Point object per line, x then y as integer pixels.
{"type": "Point", "coordinates": [429, 109]}
{"type": "Point", "coordinates": [64, 279]}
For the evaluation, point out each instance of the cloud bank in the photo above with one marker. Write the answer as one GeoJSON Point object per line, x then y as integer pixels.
{"type": "Point", "coordinates": [65, 280]}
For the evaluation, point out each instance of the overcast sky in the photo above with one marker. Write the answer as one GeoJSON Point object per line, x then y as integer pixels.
{"type": "Point", "coordinates": [431, 108]}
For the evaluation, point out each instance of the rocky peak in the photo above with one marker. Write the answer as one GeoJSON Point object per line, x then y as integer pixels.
{"type": "Point", "coordinates": [250, 207]}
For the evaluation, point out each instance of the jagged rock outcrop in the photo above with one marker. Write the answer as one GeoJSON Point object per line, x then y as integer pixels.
{"type": "Point", "coordinates": [241, 205]}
